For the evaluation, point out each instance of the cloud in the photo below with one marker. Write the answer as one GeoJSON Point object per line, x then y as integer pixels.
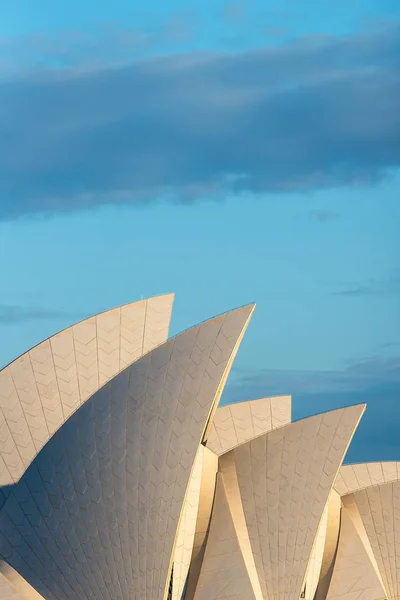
{"type": "Point", "coordinates": [176, 30]}
{"type": "Point", "coordinates": [321, 112]}
{"type": "Point", "coordinates": [377, 435]}
{"type": "Point", "coordinates": [324, 215]}
{"type": "Point", "coordinates": [355, 377]}
{"type": "Point", "coordinates": [233, 12]}
{"type": "Point", "coordinates": [375, 381]}
{"type": "Point", "coordinates": [11, 314]}
{"type": "Point", "coordinates": [373, 287]}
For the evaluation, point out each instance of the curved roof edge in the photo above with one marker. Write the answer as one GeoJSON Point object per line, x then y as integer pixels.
{"type": "Point", "coordinates": [160, 406]}
{"type": "Point", "coordinates": [354, 477]}
{"type": "Point", "coordinates": [358, 409]}
{"type": "Point", "coordinates": [15, 587]}
{"type": "Point", "coordinates": [304, 458]}
{"type": "Point", "coordinates": [236, 423]}
{"type": "Point", "coordinates": [40, 389]}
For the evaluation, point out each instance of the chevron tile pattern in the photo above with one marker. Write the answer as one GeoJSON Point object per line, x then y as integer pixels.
{"type": "Point", "coordinates": [379, 510]}
{"type": "Point", "coordinates": [285, 478]}
{"type": "Point", "coordinates": [96, 515]}
{"type": "Point", "coordinates": [223, 574]}
{"type": "Point", "coordinates": [354, 576]}
{"type": "Point", "coordinates": [43, 387]}
{"type": "Point", "coordinates": [121, 479]}
{"type": "Point", "coordinates": [238, 423]}
{"type": "Point", "coordinates": [227, 468]}
{"type": "Point", "coordinates": [357, 477]}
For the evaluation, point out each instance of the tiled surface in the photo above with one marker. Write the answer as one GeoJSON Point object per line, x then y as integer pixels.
{"type": "Point", "coordinates": [223, 575]}
{"type": "Point", "coordinates": [96, 514]}
{"type": "Point", "coordinates": [238, 423]}
{"type": "Point", "coordinates": [42, 388]}
{"type": "Point", "coordinates": [227, 468]}
{"type": "Point", "coordinates": [379, 510]}
{"type": "Point", "coordinates": [115, 493]}
{"type": "Point", "coordinates": [285, 478]}
{"type": "Point", "coordinates": [359, 476]}
{"type": "Point", "coordinates": [354, 577]}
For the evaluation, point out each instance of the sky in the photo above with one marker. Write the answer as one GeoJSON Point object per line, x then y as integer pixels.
{"type": "Point", "coordinates": [227, 152]}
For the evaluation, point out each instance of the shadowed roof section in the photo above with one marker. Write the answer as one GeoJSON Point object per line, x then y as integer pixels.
{"type": "Point", "coordinates": [375, 513]}
{"type": "Point", "coordinates": [285, 478]}
{"type": "Point", "coordinates": [354, 575]}
{"type": "Point", "coordinates": [42, 388]}
{"type": "Point", "coordinates": [362, 475]}
{"type": "Point", "coordinates": [237, 423]}
{"type": "Point", "coordinates": [224, 574]}
{"type": "Point", "coordinates": [111, 483]}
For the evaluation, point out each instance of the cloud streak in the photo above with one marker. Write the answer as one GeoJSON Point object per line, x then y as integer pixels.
{"type": "Point", "coordinates": [319, 113]}
{"type": "Point", "coordinates": [355, 377]}
{"type": "Point", "coordinates": [11, 314]}
{"type": "Point", "coordinates": [323, 216]}
{"type": "Point", "coordinates": [373, 287]}
{"type": "Point", "coordinates": [375, 381]}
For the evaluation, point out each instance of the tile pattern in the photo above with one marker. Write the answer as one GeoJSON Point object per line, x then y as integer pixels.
{"type": "Point", "coordinates": [359, 476]}
{"type": "Point", "coordinates": [231, 425]}
{"type": "Point", "coordinates": [238, 423]}
{"type": "Point", "coordinates": [96, 514]}
{"type": "Point", "coordinates": [354, 577]}
{"type": "Point", "coordinates": [227, 468]}
{"type": "Point", "coordinates": [187, 529]}
{"type": "Point", "coordinates": [223, 575]}
{"type": "Point", "coordinates": [42, 388]}
{"type": "Point", "coordinates": [285, 478]}
{"type": "Point", "coordinates": [379, 510]}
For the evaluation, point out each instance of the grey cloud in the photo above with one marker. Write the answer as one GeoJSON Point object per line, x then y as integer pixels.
{"type": "Point", "coordinates": [319, 113]}
{"type": "Point", "coordinates": [377, 436]}
{"type": "Point", "coordinates": [177, 30]}
{"type": "Point", "coordinates": [375, 381]}
{"type": "Point", "coordinates": [11, 314]}
{"type": "Point", "coordinates": [234, 11]}
{"type": "Point", "coordinates": [373, 287]}
{"type": "Point", "coordinates": [324, 215]}
{"type": "Point", "coordinates": [354, 377]}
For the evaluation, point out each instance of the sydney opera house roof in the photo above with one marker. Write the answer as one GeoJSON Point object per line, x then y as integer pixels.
{"type": "Point", "coordinates": [122, 479]}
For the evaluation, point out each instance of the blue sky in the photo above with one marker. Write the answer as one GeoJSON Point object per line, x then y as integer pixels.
{"type": "Point", "coordinates": [229, 153]}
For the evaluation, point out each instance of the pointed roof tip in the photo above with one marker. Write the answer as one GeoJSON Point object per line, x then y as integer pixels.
{"type": "Point", "coordinates": [251, 307]}
{"type": "Point", "coordinates": [361, 405]}
{"type": "Point", "coordinates": [247, 311]}
{"type": "Point", "coordinates": [165, 295]}
{"type": "Point", "coordinates": [146, 298]}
